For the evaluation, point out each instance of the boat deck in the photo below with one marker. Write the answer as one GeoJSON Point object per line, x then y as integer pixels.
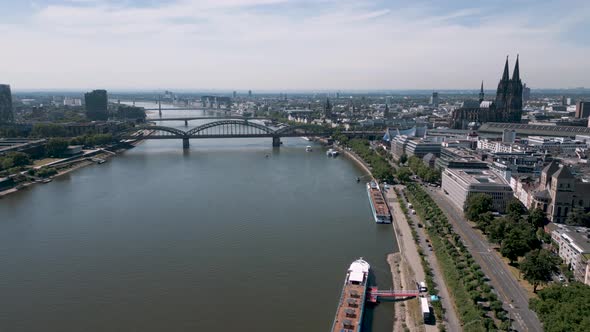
{"type": "Point", "coordinates": [349, 314]}
{"type": "Point", "coordinates": [379, 204]}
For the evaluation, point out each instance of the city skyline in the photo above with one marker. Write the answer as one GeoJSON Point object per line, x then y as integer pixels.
{"type": "Point", "coordinates": [289, 45]}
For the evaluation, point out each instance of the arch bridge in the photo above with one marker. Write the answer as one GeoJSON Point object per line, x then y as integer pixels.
{"type": "Point", "coordinates": [233, 129]}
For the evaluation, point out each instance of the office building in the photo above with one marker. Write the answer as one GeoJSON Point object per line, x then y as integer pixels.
{"type": "Point", "coordinates": [421, 147]}
{"type": "Point", "coordinates": [556, 145]}
{"type": "Point", "coordinates": [574, 248]}
{"type": "Point", "coordinates": [459, 184]}
{"type": "Point", "coordinates": [456, 157]}
{"type": "Point", "coordinates": [6, 112]}
{"type": "Point", "coordinates": [96, 105]}
{"type": "Point", "coordinates": [582, 109]}
{"type": "Point", "coordinates": [434, 99]}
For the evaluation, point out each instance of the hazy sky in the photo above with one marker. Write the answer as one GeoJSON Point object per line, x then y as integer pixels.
{"type": "Point", "coordinates": [291, 44]}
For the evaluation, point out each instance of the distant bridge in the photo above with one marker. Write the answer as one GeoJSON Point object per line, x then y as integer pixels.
{"type": "Point", "coordinates": [194, 108]}
{"type": "Point", "coordinates": [191, 118]}
{"type": "Point", "coordinates": [235, 129]}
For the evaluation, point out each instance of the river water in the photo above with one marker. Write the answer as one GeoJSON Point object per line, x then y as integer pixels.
{"type": "Point", "coordinates": [215, 238]}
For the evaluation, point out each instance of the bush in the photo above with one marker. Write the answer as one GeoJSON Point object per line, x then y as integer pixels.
{"type": "Point", "coordinates": [45, 172]}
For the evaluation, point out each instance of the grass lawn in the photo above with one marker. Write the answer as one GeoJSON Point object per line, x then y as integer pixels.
{"type": "Point", "coordinates": [45, 161]}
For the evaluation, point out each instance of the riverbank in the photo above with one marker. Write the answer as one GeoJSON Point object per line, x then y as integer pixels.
{"type": "Point", "coordinates": [405, 265]}
{"type": "Point", "coordinates": [358, 160]}
{"type": "Point", "coordinates": [73, 164]}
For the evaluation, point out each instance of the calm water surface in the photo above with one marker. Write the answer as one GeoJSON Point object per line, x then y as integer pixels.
{"type": "Point", "coordinates": [217, 238]}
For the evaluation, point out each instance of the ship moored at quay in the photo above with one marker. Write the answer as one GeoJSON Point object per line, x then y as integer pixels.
{"type": "Point", "coordinates": [349, 314]}
{"type": "Point", "coordinates": [379, 207]}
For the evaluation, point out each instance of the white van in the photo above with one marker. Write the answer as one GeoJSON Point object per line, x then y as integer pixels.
{"type": "Point", "coordinates": [422, 287]}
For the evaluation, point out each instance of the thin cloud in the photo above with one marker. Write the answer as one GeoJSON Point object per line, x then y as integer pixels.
{"type": "Point", "coordinates": [289, 44]}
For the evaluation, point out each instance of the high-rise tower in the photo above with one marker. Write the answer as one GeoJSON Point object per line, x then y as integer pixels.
{"type": "Point", "coordinates": [6, 114]}
{"type": "Point", "coordinates": [96, 105]}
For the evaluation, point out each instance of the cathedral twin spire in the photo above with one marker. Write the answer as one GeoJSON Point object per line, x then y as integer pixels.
{"type": "Point", "coordinates": [515, 73]}
{"type": "Point", "coordinates": [509, 94]}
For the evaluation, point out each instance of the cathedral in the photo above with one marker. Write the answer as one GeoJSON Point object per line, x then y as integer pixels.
{"type": "Point", "coordinates": [507, 107]}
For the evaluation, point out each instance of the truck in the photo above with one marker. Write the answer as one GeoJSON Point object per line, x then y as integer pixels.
{"type": "Point", "coordinates": [425, 309]}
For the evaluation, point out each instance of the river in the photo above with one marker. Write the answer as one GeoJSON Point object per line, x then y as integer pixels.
{"type": "Point", "coordinates": [215, 238]}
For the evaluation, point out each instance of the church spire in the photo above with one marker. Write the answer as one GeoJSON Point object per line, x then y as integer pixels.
{"type": "Point", "coordinates": [505, 76]}
{"type": "Point", "coordinates": [481, 94]}
{"type": "Point", "coordinates": [516, 73]}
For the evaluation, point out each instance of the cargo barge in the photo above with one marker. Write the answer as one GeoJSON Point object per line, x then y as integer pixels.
{"type": "Point", "coordinates": [349, 314]}
{"type": "Point", "coordinates": [379, 207]}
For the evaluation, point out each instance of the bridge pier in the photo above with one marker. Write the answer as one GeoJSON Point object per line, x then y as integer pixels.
{"type": "Point", "coordinates": [276, 141]}
{"type": "Point", "coordinates": [186, 123]}
{"type": "Point", "coordinates": [185, 143]}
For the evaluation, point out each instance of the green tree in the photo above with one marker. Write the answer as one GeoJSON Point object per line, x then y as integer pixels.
{"type": "Point", "coordinates": [537, 218]}
{"type": "Point", "coordinates": [14, 159]}
{"type": "Point", "coordinates": [19, 158]}
{"type": "Point", "coordinates": [403, 174]}
{"type": "Point", "coordinates": [56, 147]}
{"type": "Point", "coordinates": [538, 266]}
{"type": "Point", "coordinates": [484, 221]}
{"type": "Point", "coordinates": [48, 130]}
{"type": "Point", "coordinates": [403, 159]}
{"type": "Point", "coordinates": [515, 208]}
{"type": "Point", "coordinates": [46, 172]}
{"type": "Point", "coordinates": [519, 239]}
{"type": "Point", "coordinates": [563, 308]}
{"type": "Point", "coordinates": [476, 205]}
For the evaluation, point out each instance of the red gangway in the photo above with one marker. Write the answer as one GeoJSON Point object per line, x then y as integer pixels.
{"type": "Point", "coordinates": [373, 293]}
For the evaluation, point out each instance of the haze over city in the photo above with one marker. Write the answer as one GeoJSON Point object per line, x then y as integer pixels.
{"type": "Point", "coordinates": [291, 44]}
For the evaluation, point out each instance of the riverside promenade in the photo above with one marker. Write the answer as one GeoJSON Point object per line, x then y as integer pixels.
{"type": "Point", "coordinates": [409, 265]}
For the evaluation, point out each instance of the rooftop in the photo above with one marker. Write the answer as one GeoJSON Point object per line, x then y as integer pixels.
{"type": "Point", "coordinates": [578, 237]}
{"type": "Point", "coordinates": [478, 176]}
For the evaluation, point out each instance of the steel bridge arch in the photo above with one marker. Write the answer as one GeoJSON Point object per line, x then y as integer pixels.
{"type": "Point", "coordinates": [195, 131]}
{"type": "Point", "coordinates": [175, 132]}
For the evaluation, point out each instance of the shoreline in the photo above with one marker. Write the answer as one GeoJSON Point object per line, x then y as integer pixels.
{"type": "Point", "coordinates": [356, 159]}
{"type": "Point", "coordinates": [78, 164]}
{"type": "Point", "coordinates": [402, 267]}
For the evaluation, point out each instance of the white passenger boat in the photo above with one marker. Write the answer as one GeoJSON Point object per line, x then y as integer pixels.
{"type": "Point", "coordinates": [332, 153]}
